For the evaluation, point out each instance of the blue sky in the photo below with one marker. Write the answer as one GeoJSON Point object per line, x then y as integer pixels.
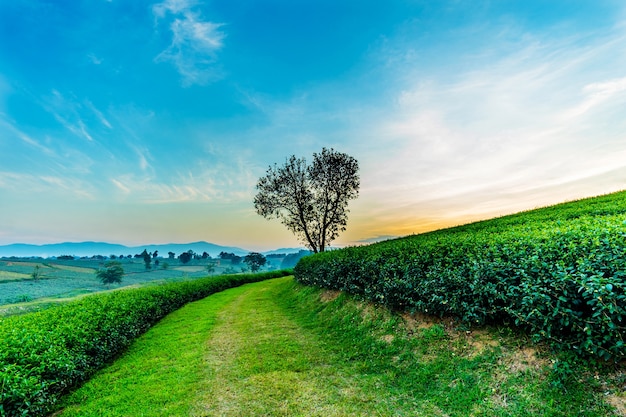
{"type": "Point", "coordinates": [141, 122]}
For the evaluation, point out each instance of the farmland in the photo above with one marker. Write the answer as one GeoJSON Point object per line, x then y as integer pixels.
{"type": "Point", "coordinates": [456, 311]}
{"type": "Point", "coordinates": [61, 279]}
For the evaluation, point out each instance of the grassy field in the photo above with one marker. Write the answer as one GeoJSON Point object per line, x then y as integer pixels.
{"type": "Point", "coordinates": [62, 279]}
{"type": "Point", "coordinates": [279, 349]}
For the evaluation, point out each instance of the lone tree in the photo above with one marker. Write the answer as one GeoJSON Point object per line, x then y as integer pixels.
{"type": "Point", "coordinates": [147, 259]}
{"type": "Point", "coordinates": [255, 261]}
{"type": "Point", "coordinates": [310, 200]}
{"type": "Point", "coordinates": [112, 273]}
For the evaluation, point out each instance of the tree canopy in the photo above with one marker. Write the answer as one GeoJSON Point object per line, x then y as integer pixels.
{"type": "Point", "coordinates": [310, 200]}
{"type": "Point", "coordinates": [112, 273]}
{"type": "Point", "coordinates": [255, 261]}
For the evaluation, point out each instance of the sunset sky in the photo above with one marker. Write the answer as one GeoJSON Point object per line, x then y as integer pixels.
{"type": "Point", "coordinates": [140, 122]}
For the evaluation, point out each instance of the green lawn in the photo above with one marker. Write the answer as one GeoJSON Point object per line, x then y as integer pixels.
{"type": "Point", "coordinates": [275, 348]}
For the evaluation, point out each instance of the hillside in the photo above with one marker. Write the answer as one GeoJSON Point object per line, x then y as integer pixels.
{"type": "Point", "coordinates": [558, 272]}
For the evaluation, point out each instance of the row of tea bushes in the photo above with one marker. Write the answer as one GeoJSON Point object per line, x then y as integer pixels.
{"type": "Point", "coordinates": [559, 273]}
{"type": "Point", "coordinates": [44, 354]}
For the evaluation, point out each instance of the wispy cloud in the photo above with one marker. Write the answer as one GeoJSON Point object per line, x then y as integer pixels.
{"type": "Point", "coordinates": [66, 112]}
{"type": "Point", "coordinates": [94, 59]}
{"type": "Point", "coordinates": [50, 185]}
{"type": "Point", "coordinates": [25, 138]}
{"type": "Point", "coordinates": [195, 41]}
{"type": "Point", "coordinates": [516, 119]}
{"type": "Point", "coordinates": [204, 183]}
{"type": "Point", "coordinates": [98, 114]}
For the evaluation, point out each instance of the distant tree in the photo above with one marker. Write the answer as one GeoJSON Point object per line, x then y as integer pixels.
{"type": "Point", "coordinates": [171, 255]}
{"type": "Point", "coordinates": [292, 259]}
{"type": "Point", "coordinates": [165, 265]}
{"type": "Point", "coordinates": [112, 273]}
{"type": "Point", "coordinates": [234, 259]}
{"type": "Point", "coordinates": [156, 263]}
{"type": "Point", "coordinates": [147, 259]}
{"type": "Point", "coordinates": [66, 257]}
{"type": "Point", "coordinates": [310, 200]}
{"type": "Point", "coordinates": [185, 257]}
{"type": "Point", "coordinates": [210, 268]}
{"type": "Point", "coordinates": [36, 274]}
{"type": "Point", "coordinates": [205, 255]}
{"type": "Point", "coordinates": [155, 254]}
{"type": "Point", "coordinates": [112, 256]}
{"type": "Point", "coordinates": [255, 261]}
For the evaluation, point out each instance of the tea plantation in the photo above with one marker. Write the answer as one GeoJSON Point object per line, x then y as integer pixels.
{"type": "Point", "coordinates": [62, 279]}
{"type": "Point", "coordinates": [43, 354]}
{"type": "Point", "coordinates": [558, 273]}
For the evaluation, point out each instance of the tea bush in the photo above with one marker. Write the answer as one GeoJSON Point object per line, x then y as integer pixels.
{"type": "Point", "coordinates": [559, 273]}
{"type": "Point", "coordinates": [44, 353]}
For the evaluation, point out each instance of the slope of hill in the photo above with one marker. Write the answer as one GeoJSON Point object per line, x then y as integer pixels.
{"type": "Point", "coordinates": [559, 272]}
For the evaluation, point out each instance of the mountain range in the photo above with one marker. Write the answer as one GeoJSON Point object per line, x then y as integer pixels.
{"type": "Point", "coordinates": [81, 249]}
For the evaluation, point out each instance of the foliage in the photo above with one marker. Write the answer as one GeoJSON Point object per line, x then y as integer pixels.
{"type": "Point", "coordinates": [44, 354]}
{"type": "Point", "coordinates": [559, 273]}
{"type": "Point", "coordinates": [147, 259]}
{"type": "Point", "coordinates": [36, 274]}
{"type": "Point", "coordinates": [310, 200]}
{"type": "Point", "coordinates": [266, 339]}
{"type": "Point", "coordinates": [112, 273]}
{"type": "Point", "coordinates": [255, 261]}
{"type": "Point", "coordinates": [290, 260]}
{"type": "Point", "coordinates": [234, 259]}
{"type": "Point", "coordinates": [185, 257]}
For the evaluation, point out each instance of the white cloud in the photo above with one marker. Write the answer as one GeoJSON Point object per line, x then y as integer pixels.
{"type": "Point", "coordinates": [94, 59]}
{"type": "Point", "coordinates": [595, 95]}
{"type": "Point", "coordinates": [41, 184]}
{"type": "Point", "coordinates": [67, 113]}
{"type": "Point", "coordinates": [26, 138]}
{"type": "Point", "coordinates": [98, 114]}
{"type": "Point", "coordinates": [195, 42]}
{"type": "Point", "coordinates": [226, 182]}
{"type": "Point", "coordinates": [487, 134]}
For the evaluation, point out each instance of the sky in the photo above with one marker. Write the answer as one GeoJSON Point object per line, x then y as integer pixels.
{"type": "Point", "coordinates": [144, 122]}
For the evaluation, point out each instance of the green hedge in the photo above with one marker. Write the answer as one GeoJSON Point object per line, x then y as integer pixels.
{"type": "Point", "coordinates": [559, 273]}
{"type": "Point", "coordinates": [44, 354]}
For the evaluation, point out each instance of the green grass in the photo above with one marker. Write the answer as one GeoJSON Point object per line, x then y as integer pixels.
{"type": "Point", "coordinates": [276, 348]}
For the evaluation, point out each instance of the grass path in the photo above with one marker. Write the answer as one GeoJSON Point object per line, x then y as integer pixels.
{"type": "Point", "coordinates": [262, 363]}
{"type": "Point", "coordinates": [266, 349]}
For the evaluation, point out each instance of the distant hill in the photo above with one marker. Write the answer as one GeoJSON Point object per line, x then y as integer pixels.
{"type": "Point", "coordinates": [80, 249]}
